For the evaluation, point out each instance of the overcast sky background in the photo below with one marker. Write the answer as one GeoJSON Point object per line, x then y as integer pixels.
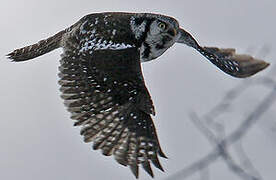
{"type": "Point", "coordinates": [37, 137]}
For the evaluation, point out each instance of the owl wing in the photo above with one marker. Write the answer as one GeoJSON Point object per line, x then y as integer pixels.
{"type": "Point", "coordinates": [236, 65]}
{"type": "Point", "coordinates": [106, 95]}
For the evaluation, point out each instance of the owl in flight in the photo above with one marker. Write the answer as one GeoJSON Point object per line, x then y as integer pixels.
{"type": "Point", "coordinates": [102, 83]}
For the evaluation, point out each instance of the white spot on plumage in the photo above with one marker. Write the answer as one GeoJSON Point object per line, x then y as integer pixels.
{"type": "Point", "coordinates": [143, 143]}
{"type": "Point", "coordinates": [108, 110]}
{"type": "Point", "coordinates": [91, 43]}
{"type": "Point", "coordinates": [96, 21]}
{"type": "Point", "coordinates": [142, 151]}
{"type": "Point", "coordinates": [235, 63]}
{"type": "Point", "coordinates": [101, 45]}
{"type": "Point", "coordinates": [93, 31]}
{"type": "Point", "coordinates": [141, 159]}
{"type": "Point", "coordinates": [114, 32]}
{"type": "Point", "coordinates": [230, 63]}
{"type": "Point", "coordinates": [82, 30]}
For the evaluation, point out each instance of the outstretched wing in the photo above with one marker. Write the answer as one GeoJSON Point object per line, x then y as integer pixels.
{"type": "Point", "coordinates": [237, 65]}
{"type": "Point", "coordinates": [105, 92]}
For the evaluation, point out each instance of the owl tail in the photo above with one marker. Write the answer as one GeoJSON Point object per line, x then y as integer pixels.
{"type": "Point", "coordinates": [38, 49]}
{"type": "Point", "coordinates": [227, 60]}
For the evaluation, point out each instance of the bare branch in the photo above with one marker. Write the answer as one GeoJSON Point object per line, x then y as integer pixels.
{"type": "Point", "coordinates": [245, 161]}
{"type": "Point", "coordinates": [223, 149]}
{"type": "Point", "coordinates": [214, 130]}
{"type": "Point", "coordinates": [229, 140]}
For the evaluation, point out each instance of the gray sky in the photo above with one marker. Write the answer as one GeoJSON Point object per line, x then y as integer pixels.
{"type": "Point", "coordinates": [37, 138]}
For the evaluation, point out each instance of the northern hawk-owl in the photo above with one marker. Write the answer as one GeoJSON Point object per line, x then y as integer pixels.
{"type": "Point", "coordinates": [102, 83]}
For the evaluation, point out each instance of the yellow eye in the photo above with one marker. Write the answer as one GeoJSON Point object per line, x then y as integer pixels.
{"type": "Point", "coordinates": [162, 25]}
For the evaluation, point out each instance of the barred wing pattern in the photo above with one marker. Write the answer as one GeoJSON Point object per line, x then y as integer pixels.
{"type": "Point", "coordinates": [106, 94]}
{"type": "Point", "coordinates": [236, 65]}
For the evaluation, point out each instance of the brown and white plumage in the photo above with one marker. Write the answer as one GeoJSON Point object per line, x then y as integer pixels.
{"type": "Point", "coordinates": [102, 83]}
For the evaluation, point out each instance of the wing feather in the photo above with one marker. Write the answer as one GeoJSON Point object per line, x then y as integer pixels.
{"type": "Point", "coordinates": [106, 95]}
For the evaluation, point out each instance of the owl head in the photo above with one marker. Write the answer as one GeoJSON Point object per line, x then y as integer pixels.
{"type": "Point", "coordinates": [156, 33]}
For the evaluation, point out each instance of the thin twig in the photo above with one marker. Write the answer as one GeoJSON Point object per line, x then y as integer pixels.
{"type": "Point", "coordinates": [223, 149]}
{"type": "Point", "coordinates": [229, 140]}
{"type": "Point", "coordinates": [245, 161]}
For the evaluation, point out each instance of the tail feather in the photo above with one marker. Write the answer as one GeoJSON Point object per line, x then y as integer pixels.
{"type": "Point", "coordinates": [38, 49]}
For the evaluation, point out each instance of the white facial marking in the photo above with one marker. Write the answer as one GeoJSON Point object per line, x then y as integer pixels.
{"type": "Point", "coordinates": [138, 30]}
{"type": "Point", "coordinates": [157, 42]}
